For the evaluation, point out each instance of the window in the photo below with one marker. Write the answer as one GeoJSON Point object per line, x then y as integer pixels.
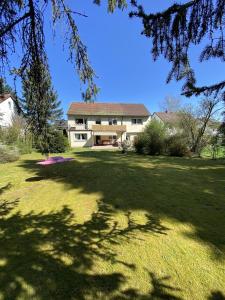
{"type": "Point", "coordinates": [112, 121]}
{"type": "Point", "coordinates": [98, 121]}
{"type": "Point", "coordinates": [136, 121]}
{"type": "Point", "coordinates": [80, 136]}
{"type": "Point", "coordinates": [79, 121]}
{"type": "Point", "coordinates": [10, 105]}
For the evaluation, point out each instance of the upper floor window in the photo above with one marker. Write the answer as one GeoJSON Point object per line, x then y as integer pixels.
{"type": "Point", "coordinates": [80, 121]}
{"type": "Point", "coordinates": [98, 121]}
{"type": "Point", "coordinates": [112, 121]}
{"type": "Point", "coordinates": [136, 121]}
{"type": "Point", "coordinates": [10, 105]}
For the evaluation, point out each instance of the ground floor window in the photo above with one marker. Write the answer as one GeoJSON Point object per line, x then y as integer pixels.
{"type": "Point", "coordinates": [80, 136]}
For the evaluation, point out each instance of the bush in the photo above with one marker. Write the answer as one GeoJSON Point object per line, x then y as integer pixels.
{"type": "Point", "coordinates": [176, 146]}
{"type": "Point", "coordinates": [140, 143]}
{"type": "Point", "coordinates": [155, 138]}
{"type": "Point", "coordinates": [8, 154]}
{"type": "Point", "coordinates": [57, 143]}
{"type": "Point", "coordinates": [17, 136]}
{"type": "Point", "coordinates": [25, 146]}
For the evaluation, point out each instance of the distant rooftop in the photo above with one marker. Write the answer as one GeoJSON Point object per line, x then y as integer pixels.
{"type": "Point", "coordinates": [108, 109]}
{"type": "Point", "coordinates": [168, 117]}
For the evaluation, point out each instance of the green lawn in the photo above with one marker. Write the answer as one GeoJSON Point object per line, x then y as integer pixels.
{"type": "Point", "coordinates": [112, 226]}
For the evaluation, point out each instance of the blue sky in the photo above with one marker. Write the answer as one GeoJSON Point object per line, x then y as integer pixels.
{"type": "Point", "coordinates": [121, 58]}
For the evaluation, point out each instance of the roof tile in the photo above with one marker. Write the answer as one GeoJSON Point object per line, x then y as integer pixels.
{"type": "Point", "coordinates": [107, 109]}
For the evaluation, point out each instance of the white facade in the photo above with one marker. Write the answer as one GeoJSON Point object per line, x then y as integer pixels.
{"type": "Point", "coordinates": [112, 130]}
{"type": "Point", "coordinates": [7, 111]}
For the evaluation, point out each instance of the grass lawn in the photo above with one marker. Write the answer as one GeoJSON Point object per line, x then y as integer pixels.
{"type": "Point", "coordinates": [207, 152]}
{"type": "Point", "coordinates": [112, 226]}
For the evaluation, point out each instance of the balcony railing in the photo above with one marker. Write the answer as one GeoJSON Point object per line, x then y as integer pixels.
{"type": "Point", "coordinates": [81, 126]}
{"type": "Point", "coordinates": [109, 128]}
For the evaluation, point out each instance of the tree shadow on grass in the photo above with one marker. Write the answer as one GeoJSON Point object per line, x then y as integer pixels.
{"type": "Point", "coordinates": [189, 191]}
{"type": "Point", "coordinates": [50, 256]}
{"type": "Point", "coordinates": [161, 289]}
{"type": "Point", "coordinates": [216, 295]}
{"type": "Point", "coordinates": [5, 188]}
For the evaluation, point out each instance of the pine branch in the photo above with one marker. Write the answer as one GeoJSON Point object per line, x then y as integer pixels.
{"type": "Point", "coordinates": [194, 90]}
{"type": "Point", "coordinates": [9, 27]}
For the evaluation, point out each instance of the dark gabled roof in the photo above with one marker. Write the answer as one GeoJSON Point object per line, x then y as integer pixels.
{"type": "Point", "coordinates": [4, 97]}
{"type": "Point", "coordinates": [169, 117]}
{"type": "Point", "coordinates": [108, 109]}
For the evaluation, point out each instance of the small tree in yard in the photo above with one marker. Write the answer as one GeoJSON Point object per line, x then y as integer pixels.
{"type": "Point", "coordinates": [152, 140]}
{"type": "Point", "coordinates": [40, 105]}
{"type": "Point", "coordinates": [215, 144]}
{"type": "Point", "coordinates": [155, 135]}
{"type": "Point", "coordinates": [57, 142]}
{"type": "Point", "coordinates": [176, 145]}
{"type": "Point", "coordinates": [140, 143]}
{"type": "Point", "coordinates": [194, 122]}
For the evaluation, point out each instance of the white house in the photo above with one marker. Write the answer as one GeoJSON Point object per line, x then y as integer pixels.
{"type": "Point", "coordinates": [7, 110]}
{"type": "Point", "coordinates": [167, 117]}
{"type": "Point", "coordinates": [92, 124]}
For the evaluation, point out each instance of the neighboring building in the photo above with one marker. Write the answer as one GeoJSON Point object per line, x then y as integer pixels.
{"type": "Point", "coordinates": [167, 118]}
{"type": "Point", "coordinates": [105, 123]}
{"type": "Point", "coordinates": [7, 110]}
{"type": "Point", "coordinates": [170, 119]}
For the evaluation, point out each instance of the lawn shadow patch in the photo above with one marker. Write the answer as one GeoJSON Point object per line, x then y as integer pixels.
{"type": "Point", "coordinates": [189, 191]}
{"type": "Point", "coordinates": [50, 256]}
{"type": "Point", "coordinates": [5, 188]}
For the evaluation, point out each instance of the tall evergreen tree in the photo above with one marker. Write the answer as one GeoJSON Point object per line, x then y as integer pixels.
{"type": "Point", "coordinates": [22, 24]}
{"type": "Point", "coordinates": [40, 105]}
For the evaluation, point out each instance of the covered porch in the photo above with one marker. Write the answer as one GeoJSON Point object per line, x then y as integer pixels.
{"type": "Point", "coordinates": [107, 135]}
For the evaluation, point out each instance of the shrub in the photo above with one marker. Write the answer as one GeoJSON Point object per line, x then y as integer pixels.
{"type": "Point", "coordinates": [57, 143]}
{"type": "Point", "coordinates": [155, 138]}
{"type": "Point", "coordinates": [140, 143]}
{"type": "Point", "coordinates": [25, 146]}
{"type": "Point", "coordinates": [8, 154]}
{"type": "Point", "coordinates": [176, 146]}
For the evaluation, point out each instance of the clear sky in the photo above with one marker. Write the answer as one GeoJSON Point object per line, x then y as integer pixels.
{"type": "Point", "coordinates": [121, 58]}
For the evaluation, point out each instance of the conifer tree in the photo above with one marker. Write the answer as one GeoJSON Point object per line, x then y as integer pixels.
{"type": "Point", "coordinates": [40, 105]}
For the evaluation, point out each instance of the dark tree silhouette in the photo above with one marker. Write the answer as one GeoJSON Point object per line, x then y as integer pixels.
{"type": "Point", "coordinates": [22, 24]}
{"type": "Point", "coordinates": [173, 32]}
